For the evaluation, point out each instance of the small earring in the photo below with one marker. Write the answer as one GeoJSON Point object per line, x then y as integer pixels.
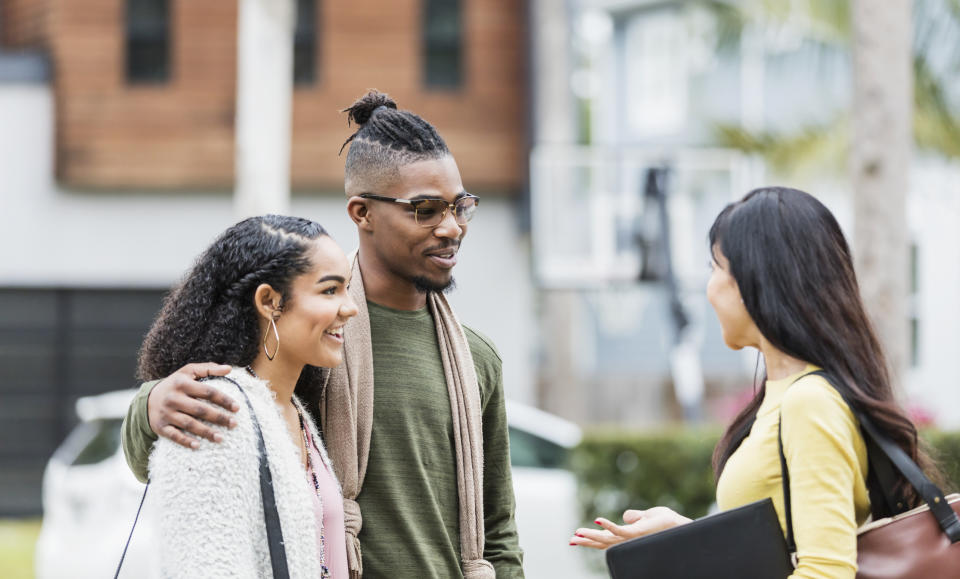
{"type": "Point", "coordinates": [266, 334]}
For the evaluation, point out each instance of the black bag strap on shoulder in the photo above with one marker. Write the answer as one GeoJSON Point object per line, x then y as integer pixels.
{"type": "Point", "coordinates": [881, 483]}
{"type": "Point", "coordinates": [132, 527]}
{"type": "Point", "coordinates": [278, 555]}
{"type": "Point", "coordinates": [787, 510]}
{"type": "Point", "coordinates": [932, 495]}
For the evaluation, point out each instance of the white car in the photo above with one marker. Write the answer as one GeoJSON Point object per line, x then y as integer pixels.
{"type": "Point", "coordinates": [90, 497]}
{"type": "Point", "coordinates": [547, 508]}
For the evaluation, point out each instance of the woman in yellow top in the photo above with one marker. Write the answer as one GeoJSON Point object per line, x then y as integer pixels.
{"type": "Point", "coordinates": [782, 281]}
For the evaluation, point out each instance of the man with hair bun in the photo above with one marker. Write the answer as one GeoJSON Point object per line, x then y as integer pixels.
{"type": "Point", "coordinates": [414, 419]}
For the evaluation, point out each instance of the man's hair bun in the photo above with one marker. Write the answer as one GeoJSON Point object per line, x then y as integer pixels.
{"type": "Point", "coordinates": [364, 107]}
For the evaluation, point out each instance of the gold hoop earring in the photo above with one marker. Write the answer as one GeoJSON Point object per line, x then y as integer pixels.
{"type": "Point", "coordinates": [266, 334]}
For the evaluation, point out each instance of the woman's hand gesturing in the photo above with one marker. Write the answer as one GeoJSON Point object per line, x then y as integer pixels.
{"type": "Point", "coordinates": [635, 524]}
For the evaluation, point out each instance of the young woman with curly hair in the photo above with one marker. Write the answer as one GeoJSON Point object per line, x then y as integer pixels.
{"type": "Point", "coordinates": [268, 298]}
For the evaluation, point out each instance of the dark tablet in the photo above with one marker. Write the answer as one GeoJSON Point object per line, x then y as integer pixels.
{"type": "Point", "coordinates": [742, 543]}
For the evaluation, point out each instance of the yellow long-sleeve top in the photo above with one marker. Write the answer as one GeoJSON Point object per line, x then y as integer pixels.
{"type": "Point", "coordinates": [827, 461]}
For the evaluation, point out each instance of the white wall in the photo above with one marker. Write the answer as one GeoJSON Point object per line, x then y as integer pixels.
{"type": "Point", "coordinates": [53, 237]}
{"type": "Point", "coordinates": [934, 216]}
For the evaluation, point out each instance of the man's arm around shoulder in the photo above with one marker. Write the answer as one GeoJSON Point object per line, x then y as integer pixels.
{"type": "Point", "coordinates": [171, 408]}
{"type": "Point", "coordinates": [137, 437]}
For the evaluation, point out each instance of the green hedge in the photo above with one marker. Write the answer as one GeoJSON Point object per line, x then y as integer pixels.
{"type": "Point", "coordinates": [945, 447]}
{"type": "Point", "coordinates": [620, 469]}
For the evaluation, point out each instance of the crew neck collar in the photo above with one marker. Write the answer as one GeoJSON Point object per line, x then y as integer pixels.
{"type": "Point", "coordinates": [775, 389]}
{"type": "Point", "coordinates": [419, 312]}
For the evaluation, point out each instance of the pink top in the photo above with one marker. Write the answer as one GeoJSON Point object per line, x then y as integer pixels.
{"type": "Point", "coordinates": [331, 511]}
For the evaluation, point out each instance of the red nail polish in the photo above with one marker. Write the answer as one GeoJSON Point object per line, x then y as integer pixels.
{"type": "Point", "coordinates": [597, 522]}
{"type": "Point", "coordinates": [579, 535]}
{"type": "Point", "coordinates": [573, 544]}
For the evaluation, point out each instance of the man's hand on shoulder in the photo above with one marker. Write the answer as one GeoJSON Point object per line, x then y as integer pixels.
{"type": "Point", "coordinates": [174, 406]}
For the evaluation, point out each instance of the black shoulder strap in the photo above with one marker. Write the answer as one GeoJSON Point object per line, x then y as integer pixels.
{"type": "Point", "coordinates": [932, 495]}
{"type": "Point", "coordinates": [278, 555]}
{"type": "Point", "coordinates": [132, 527]}
{"type": "Point", "coordinates": [882, 484]}
{"type": "Point", "coordinates": [882, 479]}
{"type": "Point", "coordinates": [787, 509]}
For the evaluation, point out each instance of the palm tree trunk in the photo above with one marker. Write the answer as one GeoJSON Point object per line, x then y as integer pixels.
{"type": "Point", "coordinates": [880, 163]}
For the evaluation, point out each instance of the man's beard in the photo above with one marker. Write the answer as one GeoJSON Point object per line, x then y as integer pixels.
{"type": "Point", "coordinates": [425, 285]}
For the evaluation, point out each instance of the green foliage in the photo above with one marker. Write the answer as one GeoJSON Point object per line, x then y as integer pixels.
{"type": "Point", "coordinates": [823, 22]}
{"type": "Point", "coordinates": [817, 148]}
{"type": "Point", "coordinates": [621, 469]}
{"type": "Point", "coordinates": [729, 20]}
{"type": "Point", "coordinates": [936, 127]}
{"type": "Point", "coordinates": [945, 448]}
{"type": "Point", "coordinates": [826, 26]}
{"type": "Point", "coordinates": [809, 150]}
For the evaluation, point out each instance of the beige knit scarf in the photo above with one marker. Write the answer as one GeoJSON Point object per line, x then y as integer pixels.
{"type": "Point", "coordinates": [346, 410]}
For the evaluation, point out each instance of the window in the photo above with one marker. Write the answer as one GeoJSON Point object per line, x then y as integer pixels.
{"type": "Point", "coordinates": [443, 44]}
{"type": "Point", "coordinates": [101, 440]}
{"type": "Point", "coordinates": [55, 346]}
{"type": "Point", "coordinates": [528, 449]}
{"type": "Point", "coordinates": [148, 41]}
{"type": "Point", "coordinates": [655, 73]}
{"type": "Point", "coordinates": [305, 43]}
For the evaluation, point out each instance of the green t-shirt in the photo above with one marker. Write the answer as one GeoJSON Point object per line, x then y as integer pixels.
{"type": "Point", "coordinates": [409, 497]}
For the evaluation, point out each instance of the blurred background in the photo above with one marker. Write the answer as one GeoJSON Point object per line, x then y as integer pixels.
{"type": "Point", "coordinates": [603, 137]}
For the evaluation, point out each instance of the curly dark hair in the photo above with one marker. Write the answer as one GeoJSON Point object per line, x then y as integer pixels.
{"type": "Point", "coordinates": [210, 315]}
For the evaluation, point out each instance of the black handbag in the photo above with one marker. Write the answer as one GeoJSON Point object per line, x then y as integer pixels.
{"type": "Point", "coordinates": [745, 542]}
{"type": "Point", "coordinates": [278, 555]}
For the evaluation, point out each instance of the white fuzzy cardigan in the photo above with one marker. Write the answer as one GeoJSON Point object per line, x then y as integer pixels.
{"type": "Point", "coordinates": [210, 521]}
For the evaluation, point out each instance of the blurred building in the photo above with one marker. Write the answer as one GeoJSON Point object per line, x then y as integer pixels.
{"type": "Point", "coordinates": [117, 168]}
{"type": "Point", "coordinates": [611, 105]}
{"type": "Point", "coordinates": [146, 89]}
{"type": "Point", "coordinates": [117, 148]}
{"type": "Point", "coordinates": [646, 83]}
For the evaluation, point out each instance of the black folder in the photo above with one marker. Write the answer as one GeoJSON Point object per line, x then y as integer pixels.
{"type": "Point", "coordinates": [742, 543]}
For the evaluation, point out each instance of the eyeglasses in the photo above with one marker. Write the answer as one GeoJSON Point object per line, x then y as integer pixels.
{"type": "Point", "coordinates": [431, 211]}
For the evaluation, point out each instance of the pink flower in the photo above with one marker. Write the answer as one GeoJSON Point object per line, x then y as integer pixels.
{"type": "Point", "coordinates": [921, 416]}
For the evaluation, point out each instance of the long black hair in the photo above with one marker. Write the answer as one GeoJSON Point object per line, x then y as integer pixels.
{"type": "Point", "coordinates": [795, 273]}
{"type": "Point", "coordinates": [211, 317]}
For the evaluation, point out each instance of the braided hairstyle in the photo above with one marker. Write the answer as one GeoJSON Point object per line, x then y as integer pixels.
{"type": "Point", "coordinates": [385, 140]}
{"type": "Point", "coordinates": [210, 316]}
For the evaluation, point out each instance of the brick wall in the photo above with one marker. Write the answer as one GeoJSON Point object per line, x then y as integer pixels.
{"type": "Point", "coordinates": [21, 23]}
{"type": "Point", "coordinates": [180, 134]}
